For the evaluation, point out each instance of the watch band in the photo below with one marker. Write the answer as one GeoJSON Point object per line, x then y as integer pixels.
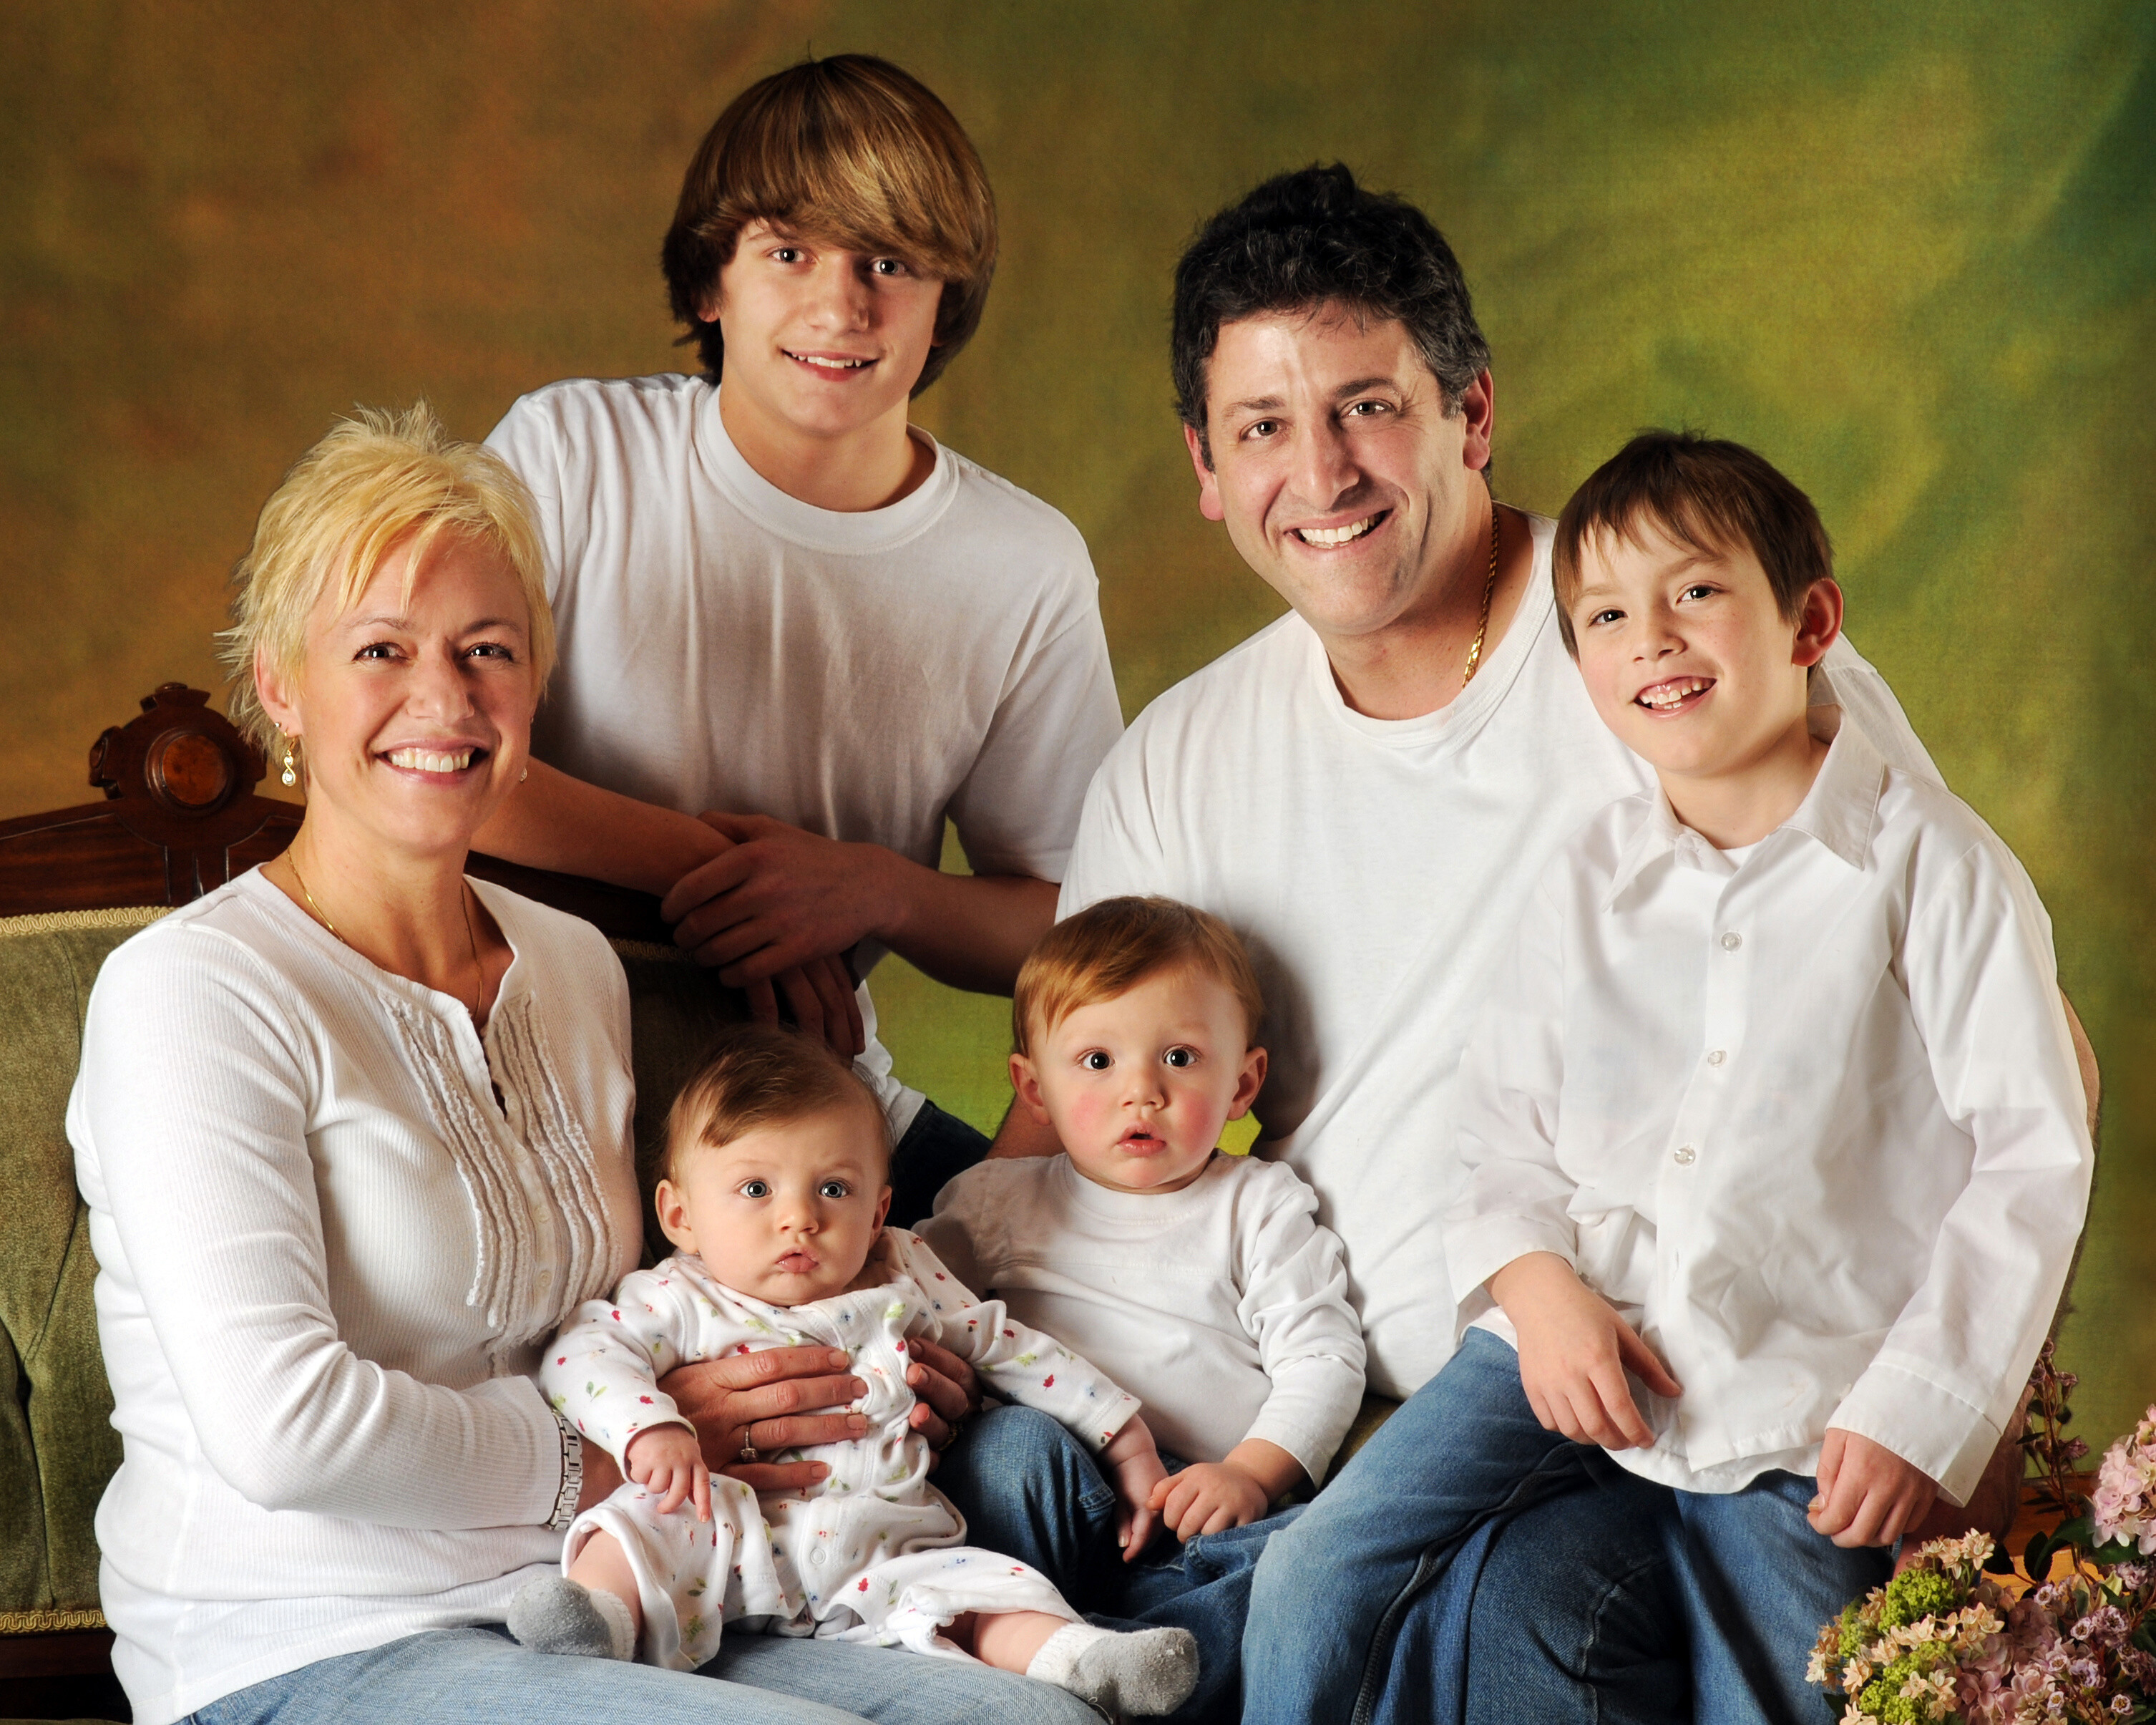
{"type": "Point", "coordinates": [573, 1474]}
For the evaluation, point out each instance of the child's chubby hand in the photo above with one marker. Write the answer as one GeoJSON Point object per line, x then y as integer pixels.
{"type": "Point", "coordinates": [1133, 1462]}
{"type": "Point", "coordinates": [1209, 1496]}
{"type": "Point", "coordinates": [1573, 1352]}
{"type": "Point", "coordinates": [664, 1459]}
{"type": "Point", "coordinates": [1867, 1494]}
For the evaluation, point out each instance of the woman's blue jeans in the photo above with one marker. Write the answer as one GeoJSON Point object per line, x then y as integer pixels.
{"type": "Point", "coordinates": [479, 1677]}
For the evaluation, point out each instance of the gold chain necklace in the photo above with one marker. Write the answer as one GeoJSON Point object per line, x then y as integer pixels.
{"type": "Point", "coordinates": [464, 901]}
{"type": "Point", "coordinates": [1482, 629]}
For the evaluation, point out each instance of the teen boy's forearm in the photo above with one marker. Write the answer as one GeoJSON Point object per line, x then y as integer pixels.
{"type": "Point", "coordinates": [553, 821]}
{"type": "Point", "coordinates": [970, 931]}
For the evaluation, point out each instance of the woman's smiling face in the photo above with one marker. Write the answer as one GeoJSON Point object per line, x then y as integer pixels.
{"type": "Point", "coordinates": [414, 711]}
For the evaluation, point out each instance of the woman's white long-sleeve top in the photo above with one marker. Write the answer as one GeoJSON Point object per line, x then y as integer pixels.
{"type": "Point", "coordinates": [328, 1259]}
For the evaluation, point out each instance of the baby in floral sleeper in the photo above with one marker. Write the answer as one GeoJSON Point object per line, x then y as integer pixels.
{"type": "Point", "coordinates": [775, 1193]}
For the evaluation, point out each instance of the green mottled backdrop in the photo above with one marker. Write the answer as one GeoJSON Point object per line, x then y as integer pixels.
{"type": "Point", "coordinates": [1907, 249]}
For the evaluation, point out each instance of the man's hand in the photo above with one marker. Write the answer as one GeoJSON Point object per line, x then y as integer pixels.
{"type": "Point", "coordinates": [777, 898]}
{"type": "Point", "coordinates": [945, 1393]}
{"type": "Point", "coordinates": [771, 1400]}
{"type": "Point", "coordinates": [1573, 1352]}
{"type": "Point", "coordinates": [665, 1459]}
{"type": "Point", "coordinates": [1867, 1494]}
{"type": "Point", "coordinates": [1134, 1466]}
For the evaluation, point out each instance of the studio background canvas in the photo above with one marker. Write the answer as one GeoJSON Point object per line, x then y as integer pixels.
{"type": "Point", "coordinates": [1907, 251]}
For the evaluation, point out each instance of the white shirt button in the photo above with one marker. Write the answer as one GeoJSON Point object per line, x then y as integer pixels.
{"type": "Point", "coordinates": [816, 1555]}
{"type": "Point", "coordinates": [1686, 1156]}
{"type": "Point", "coordinates": [1715, 1057]}
{"type": "Point", "coordinates": [1732, 940]}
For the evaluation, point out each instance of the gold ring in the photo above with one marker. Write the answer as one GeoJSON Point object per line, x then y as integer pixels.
{"type": "Point", "coordinates": [747, 1452]}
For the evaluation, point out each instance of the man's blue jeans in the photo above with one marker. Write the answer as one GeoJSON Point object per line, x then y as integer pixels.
{"type": "Point", "coordinates": [1330, 1594]}
{"type": "Point", "coordinates": [1572, 1616]}
{"type": "Point", "coordinates": [1026, 1486]}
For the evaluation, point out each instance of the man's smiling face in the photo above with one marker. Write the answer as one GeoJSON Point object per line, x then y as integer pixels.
{"type": "Point", "coordinates": [1340, 477]}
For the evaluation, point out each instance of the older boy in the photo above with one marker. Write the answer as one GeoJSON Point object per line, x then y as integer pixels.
{"type": "Point", "coordinates": [780, 603]}
{"type": "Point", "coordinates": [1773, 1108]}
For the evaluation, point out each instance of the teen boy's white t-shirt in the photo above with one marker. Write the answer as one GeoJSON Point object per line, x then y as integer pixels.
{"type": "Point", "coordinates": [725, 645]}
{"type": "Point", "coordinates": [1377, 869]}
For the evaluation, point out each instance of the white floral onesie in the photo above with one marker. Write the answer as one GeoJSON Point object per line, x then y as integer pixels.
{"type": "Point", "coordinates": [874, 1553]}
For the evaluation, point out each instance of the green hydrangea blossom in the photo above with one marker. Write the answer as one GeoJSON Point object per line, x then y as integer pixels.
{"type": "Point", "coordinates": [1917, 1594]}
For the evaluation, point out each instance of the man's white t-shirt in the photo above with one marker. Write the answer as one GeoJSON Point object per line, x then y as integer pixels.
{"type": "Point", "coordinates": [1377, 869]}
{"type": "Point", "coordinates": [725, 645]}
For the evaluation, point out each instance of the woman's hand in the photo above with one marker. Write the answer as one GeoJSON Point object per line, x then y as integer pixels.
{"type": "Point", "coordinates": [945, 1394]}
{"type": "Point", "coordinates": [769, 1401]}
{"type": "Point", "coordinates": [1575, 1350]}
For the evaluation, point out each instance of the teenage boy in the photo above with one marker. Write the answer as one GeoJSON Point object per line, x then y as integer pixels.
{"type": "Point", "coordinates": [796, 633]}
{"type": "Point", "coordinates": [1773, 1109]}
{"type": "Point", "coordinates": [1365, 791]}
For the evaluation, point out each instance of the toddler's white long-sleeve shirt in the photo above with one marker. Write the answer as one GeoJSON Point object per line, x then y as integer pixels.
{"type": "Point", "coordinates": [1222, 1306]}
{"type": "Point", "coordinates": [1810, 1118]}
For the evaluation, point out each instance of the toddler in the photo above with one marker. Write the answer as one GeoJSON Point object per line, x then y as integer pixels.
{"type": "Point", "coordinates": [776, 1189]}
{"type": "Point", "coordinates": [1204, 1277]}
{"type": "Point", "coordinates": [1772, 1144]}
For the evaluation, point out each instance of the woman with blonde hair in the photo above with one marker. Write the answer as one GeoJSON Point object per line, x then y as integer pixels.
{"type": "Point", "coordinates": [354, 1132]}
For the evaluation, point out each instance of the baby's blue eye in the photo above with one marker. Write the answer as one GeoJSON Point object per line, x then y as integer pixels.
{"type": "Point", "coordinates": [832, 1189]}
{"type": "Point", "coordinates": [754, 1189]}
{"type": "Point", "coordinates": [1097, 1061]}
{"type": "Point", "coordinates": [1180, 1057]}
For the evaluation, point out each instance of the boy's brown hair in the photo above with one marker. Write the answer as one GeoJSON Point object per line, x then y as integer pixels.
{"type": "Point", "coordinates": [1113, 946]}
{"type": "Point", "coordinates": [756, 1075]}
{"type": "Point", "coordinates": [851, 152]}
{"type": "Point", "coordinates": [1708, 495]}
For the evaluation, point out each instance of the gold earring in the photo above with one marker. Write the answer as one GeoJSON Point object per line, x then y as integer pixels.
{"type": "Point", "coordinates": [289, 776]}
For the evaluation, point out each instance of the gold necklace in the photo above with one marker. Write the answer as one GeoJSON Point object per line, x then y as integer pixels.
{"type": "Point", "coordinates": [464, 901]}
{"type": "Point", "coordinates": [1482, 629]}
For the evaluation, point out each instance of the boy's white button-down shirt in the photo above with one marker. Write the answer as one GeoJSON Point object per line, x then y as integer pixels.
{"type": "Point", "coordinates": [1813, 1122]}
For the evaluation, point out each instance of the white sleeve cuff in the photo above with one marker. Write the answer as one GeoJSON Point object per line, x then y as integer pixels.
{"type": "Point", "coordinates": [1475, 1250]}
{"type": "Point", "coordinates": [1313, 1403]}
{"type": "Point", "coordinates": [1926, 1426]}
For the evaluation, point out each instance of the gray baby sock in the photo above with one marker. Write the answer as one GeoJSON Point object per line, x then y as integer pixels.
{"type": "Point", "coordinates": [1144, 1673]}
{"type": "Point", "coordinates": [555, 1614]}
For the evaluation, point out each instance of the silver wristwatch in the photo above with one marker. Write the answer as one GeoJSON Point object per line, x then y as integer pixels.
{"type": "Point", "coordinates": [573, 1474]}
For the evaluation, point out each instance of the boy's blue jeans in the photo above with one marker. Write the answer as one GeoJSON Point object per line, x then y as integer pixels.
{"type": "Point", "coordinates": [1330, 1593]}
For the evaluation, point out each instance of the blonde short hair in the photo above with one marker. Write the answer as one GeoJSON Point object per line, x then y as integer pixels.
{"type": "Point", "coordinates": [755, 1075]}
{"type": "Point", "coordinates": [849, 151]}
{"type": "Point", "coordinates": [1111, 947]}
{"type": "Point", "coordinates": [379, 479]}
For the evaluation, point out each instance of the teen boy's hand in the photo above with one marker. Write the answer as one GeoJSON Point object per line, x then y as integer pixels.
{"type": "Point", "coordinates": [1573, 1352]}
{"type": "Point", "coordinates": [1133, 1461]}
{"type": "Point", "coordinates": [665, 1459]}
{"type": "Point", "coordinates": [1867, 1494]}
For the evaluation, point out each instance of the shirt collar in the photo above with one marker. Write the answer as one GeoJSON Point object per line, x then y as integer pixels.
{"type": "Point", "coordinates": [1839, 810]}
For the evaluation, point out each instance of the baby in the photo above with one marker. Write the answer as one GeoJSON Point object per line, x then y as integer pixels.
{"type": "Point", "coordinates": [776, 1189]}
{"type": "Point", "coordinates": [1205, 1277]}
